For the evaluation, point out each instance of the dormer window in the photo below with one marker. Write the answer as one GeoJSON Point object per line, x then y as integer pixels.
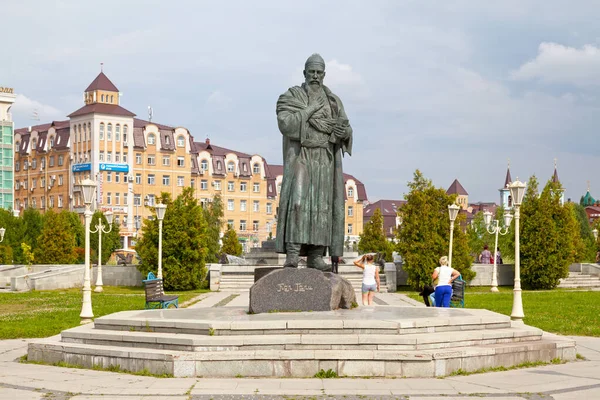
{"type": "Point", "coordinates": [151, 139]}
{"type": "Point", "coordinates": [204, 165]}
{"type": "Point", "coordinates": [230, 166]}
{"type": "Point", "coordinates": [350, 192]}
{"type": "Point", "coordinates": [167, 141]}
{"type": "Point", "coordinates": [17, 146]}
{"type": "Point", "coordinates": [256, 168]}
{"type": "Point", "coordinates": [51, 142]}
{"type": "Point", "coordinates": [102, 98]}
{"type": "Point", "coordinates": [219, 165]}
{"type": "Point", "coordinates": [33, 144]}
{"type": "Point", "coordinates": [180, 141]}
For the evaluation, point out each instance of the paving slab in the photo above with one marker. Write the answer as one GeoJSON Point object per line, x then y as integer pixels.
{"type": "Point", "coordinates": [211, 300]}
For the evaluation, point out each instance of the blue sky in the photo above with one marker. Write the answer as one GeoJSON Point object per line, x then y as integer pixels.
{"type": "Point", "coordinates": [454, 88]}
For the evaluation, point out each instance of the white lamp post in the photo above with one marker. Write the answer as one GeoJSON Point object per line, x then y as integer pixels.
{"type": "Point", "coordinates": [100, 229]}
{"type": "Point", "coordinates": [2, 232]}
{"type": "Point", "coordinates": [88, 188]}
{"type": "Point", "coordinates": [160, 214]}
{"type": "Point", "coordinates": [595, 232]}
{"type": "Point", "coordinates": [487, 218]}
{"type": "Point", "coordinates": [517, 191]}
{"type": "Point", "coordinates": [453, 213]}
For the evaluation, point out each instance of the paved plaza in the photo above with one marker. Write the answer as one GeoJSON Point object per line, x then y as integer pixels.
{"type": "Point", "coordinates": [574, 380]}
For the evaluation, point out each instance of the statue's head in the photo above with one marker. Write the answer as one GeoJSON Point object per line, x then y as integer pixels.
{"type": "Point", "coordinates": [314, 70]}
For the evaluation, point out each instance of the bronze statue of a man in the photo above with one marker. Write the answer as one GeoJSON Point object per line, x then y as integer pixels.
{"type": "Point", "coordinates": [316, 133]}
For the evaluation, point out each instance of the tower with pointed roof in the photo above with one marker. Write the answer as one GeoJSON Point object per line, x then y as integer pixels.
{"type": "Point", "coordinates": [462, 197]}
{"type": "Point", "coordinates": [556, 180]}
{"type": "Point", "coordinates": [505, 199]}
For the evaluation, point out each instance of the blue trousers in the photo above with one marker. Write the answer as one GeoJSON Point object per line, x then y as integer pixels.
{"type": "Point", "coordinates": [443, 295]}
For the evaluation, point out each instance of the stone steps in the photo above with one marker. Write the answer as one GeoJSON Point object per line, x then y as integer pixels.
{"type": "Point", "coordinates": [578, 280]}
{"type": "Point", "coordinates": [368, 341]}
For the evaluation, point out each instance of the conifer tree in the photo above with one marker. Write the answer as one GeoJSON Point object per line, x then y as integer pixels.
{"type": "Point", "coordinates": [184, 243]}
{"type": "Point", "coordinates": [213, 213]}
{"type": "Point", "coordinates": [231, 244]}
{"type": "Point", "coordinates": [373, 239]}
{"type": "Point", "coordinates": [425, 233]}
{"type": "Point", "coordinates": [56, 244]}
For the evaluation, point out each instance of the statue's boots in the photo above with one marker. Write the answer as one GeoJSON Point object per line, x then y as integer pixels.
{"type": "Point", "coordinates": [292, 255]}
{"type": "Point", "coordinates": [315, 259]}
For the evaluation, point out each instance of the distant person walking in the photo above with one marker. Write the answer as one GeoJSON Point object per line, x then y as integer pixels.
{"type": "Point", "coordinates": [335, 260]}
{"type": "Point", "coordinates": [498, 256]}
{"type": "Point", "coordinates": [370, 281]}
{"type": "Point", "coordinates": [445, 276]}
{"type": "Point", "coordinates": [486, 256]}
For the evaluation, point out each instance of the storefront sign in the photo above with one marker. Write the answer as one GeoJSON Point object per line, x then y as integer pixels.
{"type": "Point", "coordinates": [8, 90]}
{"type": "Point", "coordinates": [114, 167]}
{"type": "Point", "coordinates": [82, 167]}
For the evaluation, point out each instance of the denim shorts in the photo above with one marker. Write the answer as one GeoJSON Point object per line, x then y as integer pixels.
{"type": "Point", "coordinates": [369, 288]}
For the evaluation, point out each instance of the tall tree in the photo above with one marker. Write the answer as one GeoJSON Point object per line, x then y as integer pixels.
{"type": "Point", "coordinates": [588, 244]}
{"type": "Point", "coordinates": [425, 232]}
{"type": "Point", "coordinates": [33, 223]}
{"type": "Point", "coordinates": [213, 213]}
{"type": "Point", "coordinates": [13, 237]}
{"type": "Point", "coordinates": [110, 241]}
{"type": "Point", "coordinates": [56, 244]}
{"type": "Point", "coordinates": [231, 244]}
{"type": "Point", "coordinates": [184, 243]}
{"type": "Point", "coordinates": [373, 239]}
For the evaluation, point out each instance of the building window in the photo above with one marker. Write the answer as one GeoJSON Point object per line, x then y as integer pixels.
{"type": "Point", "coordinates": [230, 166]}
{"type": "Point", "coordinates": [51, 202]}
{"type": "Point", "coordinates": [180, 141]}
{"type": "Point", "coordinates": [60, 160]}
{"type": "Point", "coordinates": [117, 199]}
{"type": "Point", "coordinates": [243, 186]}
{"type": "Point", "coordinates": [42, 182]}
{"type": "Point", "coordinates": [166, 161]}
{"type": "Point", "coordinates": [151, 138]}
{"type": "Point", "coordinates": [181, 161]}
{"type": "Point", "coordinates": [242, 205]}
{"type": "Point", "coordinates": [255, 206]}
{"type": "Point", "coordinates": [349, 229]}
{"type": "Point", "coordinates": [256, 187]}
{"type": "Point", "coordinates": [230, 223]}
{"type": "Point", "coordinates": [109, 177]}
{"type": "Point", "coordinates": [125, 158]}
{"type": "Point", "coordinates": [138, 158]}
{"type": "Point", "coordinates": [243, 225]}
{"type": "Point", "coordinates": [256, 168]}
{"type": "Point", "coordinates": [109, 132]}
{"type": "Point", "coordinates": [150, 200]}
{"type": "Point", "coordinates": [118, 133]}
{"type": "Point", "coordinates": [203, 184]}
{"type": "Point", "coordinates": [230, 186]}
{"type": "Point", "coordinates": [101, 133]}
{"type": "Point", "coordinates": [167, 140]}
{"type": "Point", "coordinates": [125, 199]}
{"type": "Point", "coordinates": [166, 180]}
{"type": "Point", "coordinates": [137, 199]}
{"type": "Point", "coordinates": [350, 211]}
{"type": "Point", "coordinates": [25, 165]}
{"type": "Point", "coordinates": [109, 198]}
{"type": "Point", "coordinates": [180, 181]}
{"type": "Point", "coordinates": [217, 185]}
{"type": "Point", "coordinates": [125, 134]}
{"type": "Point", "coordinates": [34, 163]}
{"type": "Point", "coordinates": [118, 157]}
{"type": "Point", "coordinates": [51, 161]}
{"type": "Point", "coordinates": [255, 226]}
{"type": "Point", "coordinates": [350, 192]}
{"type": "Point", "coordinates": [269, 208]}
{"type": "Point", "coordinates": [33, 203]}
{"type": "Point", "coordinates": [34, 144]}
{"type": "Point", "coordinates": [219, 167]}
{"type": "Point", "coordinates": [138, 179]}
{"type": "Point", "coordinates": [17, 165]}
{"type": "Point", "coordinates": [151, 160]}
{"type": "Point", "coordinates": [151, 179]}
{"type": "Point", "coordinates": [102, 98]}
{"type": "Point", "coordinates": [60, 180]}
{"type": "Point", "coordinates": [230, 205]}
{"type": "Point", "coordinates": [109, 156]}
{"type": "Point", "coordinates": [117, 177]}
{"type": "Point", "coordinates": [204, 165]}
{"type": "Point", "coordinates": [60, 201]}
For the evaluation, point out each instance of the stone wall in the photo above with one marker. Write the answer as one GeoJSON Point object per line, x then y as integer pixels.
{"type": "Point", "coordinates": [505, 275]}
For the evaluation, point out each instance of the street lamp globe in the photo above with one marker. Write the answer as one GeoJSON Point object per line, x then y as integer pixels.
{"type": "Point", "coordinates": [595, 232]}
{"type": "Point", "coordinates": [453, 212]}
{"type": "Point", "coordinates": [517, 191]}
{"type": "Point", "coordinates": [160, 211]}
{"type": "Point", "coordinates": [109, 217]}
{"type": "Point", "coordinates": [507, 218]}
{"type": "Point", "coordinates": [487, 217]}
{"type": "Point", "coordinates": [88, 187]}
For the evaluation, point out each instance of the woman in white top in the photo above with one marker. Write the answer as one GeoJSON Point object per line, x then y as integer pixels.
{"type": "Point", "coordinates": [445, 276]}
{"type": "Point", "coordinates": [370, 281]}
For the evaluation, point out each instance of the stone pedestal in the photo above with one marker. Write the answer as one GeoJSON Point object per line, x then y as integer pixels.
{"type": "Point", "coordinates": [304, 289]}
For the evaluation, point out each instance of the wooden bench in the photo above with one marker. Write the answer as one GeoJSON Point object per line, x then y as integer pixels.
{"type": "Point", "coordinates": [458, 294]}
{"type": "Point", "coordinates": [155, 295]}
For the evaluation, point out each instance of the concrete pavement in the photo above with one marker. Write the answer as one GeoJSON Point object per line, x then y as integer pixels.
{"type": "Point", "coordinates": [575, 380]}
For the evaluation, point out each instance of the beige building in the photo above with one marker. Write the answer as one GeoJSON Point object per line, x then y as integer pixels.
{"type": "Point", "coordinates": [133, 161]}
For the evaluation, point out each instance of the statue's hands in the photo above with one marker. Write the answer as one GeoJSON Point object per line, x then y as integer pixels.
{"type": "Point", "coordinates": [315, 103]}
{"type": "Point", "coordinates": [341, 132]}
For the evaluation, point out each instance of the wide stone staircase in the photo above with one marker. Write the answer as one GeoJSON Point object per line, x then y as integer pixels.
{"type": "Point", "coordinates": [580, 280]}
{"type": "Point", "coordinates": [367, 341]}
{"type": "Point", "coordinates": [242, 281]}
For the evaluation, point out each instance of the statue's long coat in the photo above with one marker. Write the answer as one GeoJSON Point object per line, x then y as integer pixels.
{"type": "Point", "coordinates": [311, 205]}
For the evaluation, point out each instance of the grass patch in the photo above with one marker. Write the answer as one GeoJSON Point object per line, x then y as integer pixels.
{"type": "Point", "coordinates": [526, 364]}
{"type": "Point", "coordinates": [565, 312]}
{"type": "Point", "coordinates": [45, 313]}
{"type": "Point", "coordinates": [329, 374]}
{"type": "Point", "coordinates": [111, 368]}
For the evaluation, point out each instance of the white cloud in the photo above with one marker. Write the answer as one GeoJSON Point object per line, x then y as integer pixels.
{"type": "Point", "coordinates": [24, 108]}
{"type": "Point", "coordinates": [556, 63]}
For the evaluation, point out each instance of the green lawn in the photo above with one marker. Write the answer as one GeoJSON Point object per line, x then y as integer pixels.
{"type": "Point", "coordinates": [46, 313]}
{"type": "Point", "coordinates": [566, 312]}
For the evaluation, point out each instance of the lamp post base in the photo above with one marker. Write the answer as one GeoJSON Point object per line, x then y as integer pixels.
{"type": "Point", "coordinates": [494, 289]}
{"type": "Point", "coordinates": [98, 289]}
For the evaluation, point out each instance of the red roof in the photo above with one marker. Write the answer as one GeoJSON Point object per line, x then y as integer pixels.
{"type": "Point", "coordinates": [100, 108]}
{"type": "Point", "coordinates": [102, 83]}
{"type": "Point", "coordinates": [45, 127]}
{"type": "Point", "coordinates": [217, 150]}
{"type": "Point", "coordinates": [457, 188]}
{"type": "Point", "coordinates": [387, 207]}
{"type": "Point", "coordinates": [140, 123]}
